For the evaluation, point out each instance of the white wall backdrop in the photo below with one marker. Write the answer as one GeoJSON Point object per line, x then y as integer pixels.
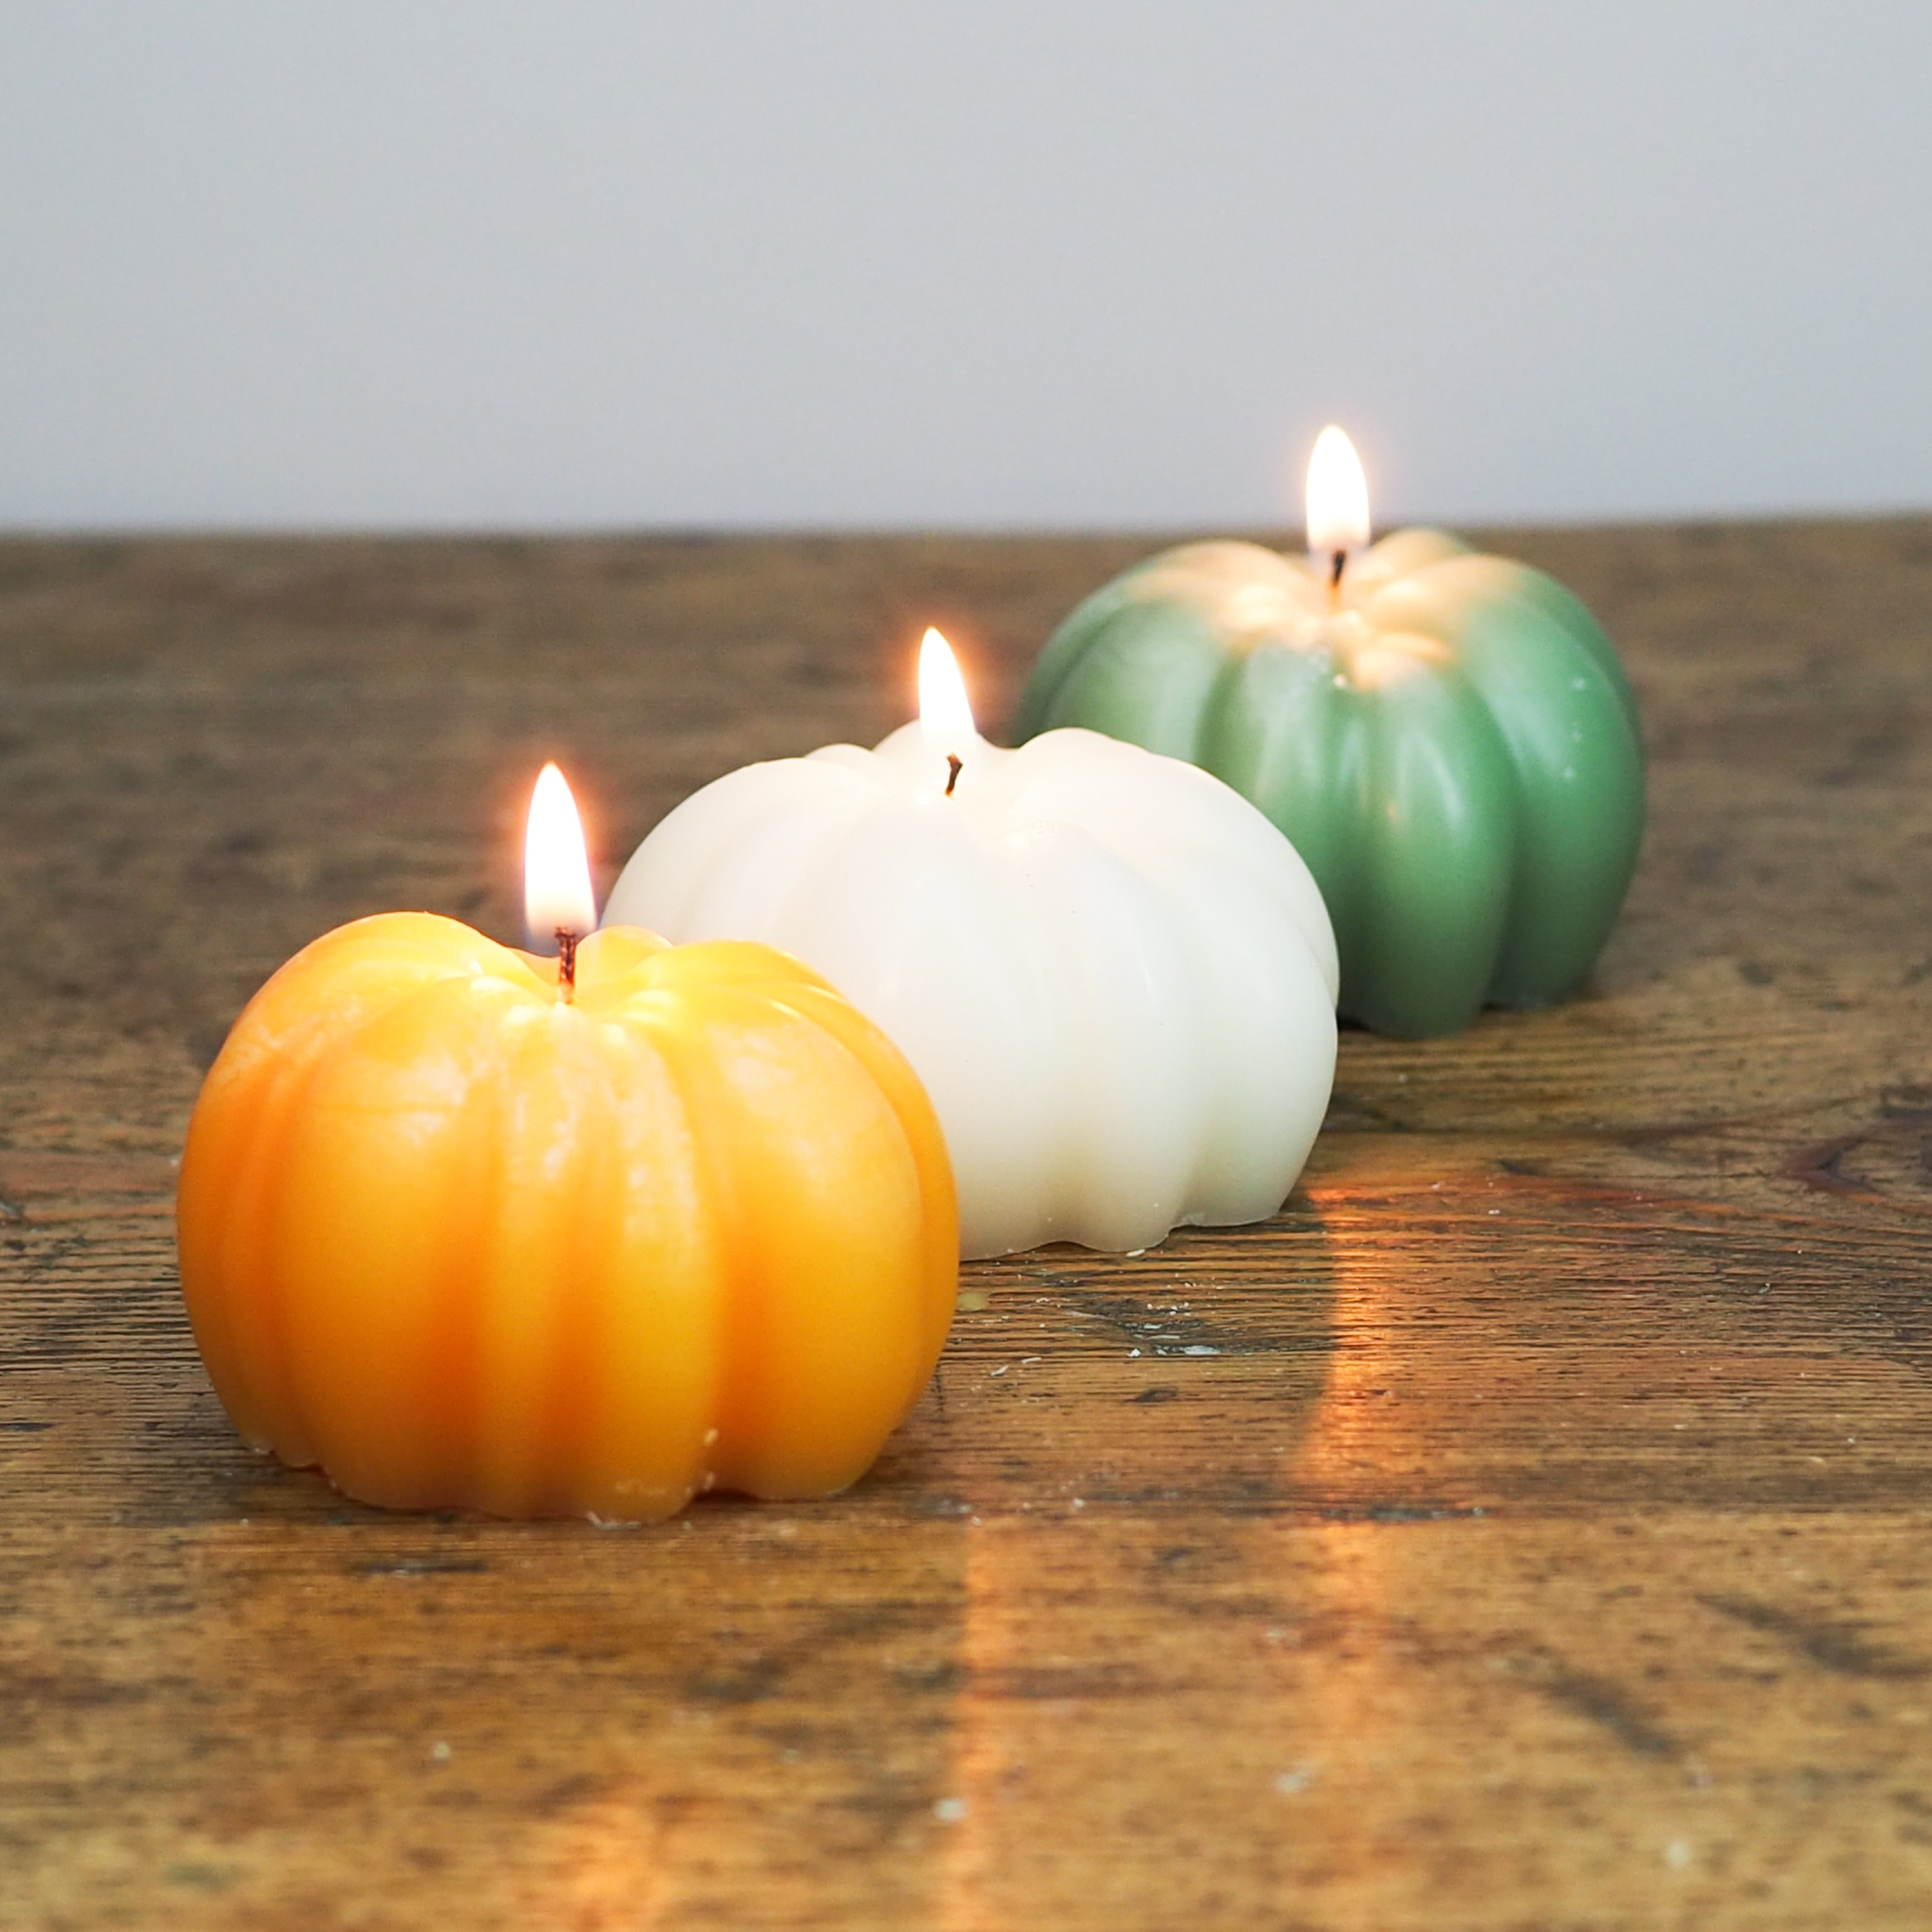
{"type": "Point", "coordinates": [982, 262]}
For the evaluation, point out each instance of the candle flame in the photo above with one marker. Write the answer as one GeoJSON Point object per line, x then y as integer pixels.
{"type": "Point", "coordinates": [1338, 496]}
{"type": "Point", "coordinates": [557, 896]}
{"type": "Point", "coordinates": [944, 710]}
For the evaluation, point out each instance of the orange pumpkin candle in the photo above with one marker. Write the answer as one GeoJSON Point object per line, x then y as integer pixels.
{"type": "Point", "coordinates": [465, 1233]}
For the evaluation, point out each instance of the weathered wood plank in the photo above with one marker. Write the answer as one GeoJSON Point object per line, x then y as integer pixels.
{"type": "Point", "coordinates": [1527, 1528]}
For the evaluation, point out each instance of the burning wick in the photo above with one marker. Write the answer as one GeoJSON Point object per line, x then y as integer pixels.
{"type": "Point", "coordinates": [944, 715]}
{"type": "Point", "coordinates": [1338, 505]}
{"type": "Point", "coordinates": [557, 897]}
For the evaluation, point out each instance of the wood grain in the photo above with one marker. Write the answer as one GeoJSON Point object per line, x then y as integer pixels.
{"type": "Point", "coordinates": [1529, 1528]}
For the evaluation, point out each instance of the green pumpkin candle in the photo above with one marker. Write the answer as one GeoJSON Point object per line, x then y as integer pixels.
{"type": "Point", "coordinates": [1447, 738]}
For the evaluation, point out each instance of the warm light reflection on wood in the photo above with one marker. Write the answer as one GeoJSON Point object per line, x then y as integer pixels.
{"type": "Point", "coordinates": [600, 1865]}
{"type": "Point", "coordinates": [970, 1819]}
{"type": "Point", "coordinates": [1333, 1665]}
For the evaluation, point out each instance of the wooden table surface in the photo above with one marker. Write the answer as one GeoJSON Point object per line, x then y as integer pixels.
{"type": "Point", "coordinates": [1530, 1527]}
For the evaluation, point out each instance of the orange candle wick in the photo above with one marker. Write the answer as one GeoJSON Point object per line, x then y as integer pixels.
{"type": "Point", "coordinates": [557, 896]}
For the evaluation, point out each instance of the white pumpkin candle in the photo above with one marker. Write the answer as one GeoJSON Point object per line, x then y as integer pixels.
{"type": "Point", "coordinates": [1116, 979]}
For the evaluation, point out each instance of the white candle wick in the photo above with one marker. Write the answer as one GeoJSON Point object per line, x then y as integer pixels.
{"type": "Point", "coordinates": [945, 716]}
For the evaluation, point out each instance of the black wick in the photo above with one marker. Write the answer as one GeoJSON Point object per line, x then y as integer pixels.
{"type": "Point", "coordinates": [1340, 557]}
{"type": "Point", "coordinates": [566, 964]}
{"type": "Point", "coordinates": [951, 773]}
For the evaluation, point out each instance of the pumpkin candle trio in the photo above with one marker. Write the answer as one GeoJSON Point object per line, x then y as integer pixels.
{"type": "Point", "coordinates": [682, 1207]}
